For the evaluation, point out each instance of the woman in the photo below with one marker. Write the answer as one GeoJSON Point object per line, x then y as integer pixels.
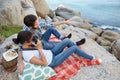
{"type": "Point", "coordinates": [53, 57]}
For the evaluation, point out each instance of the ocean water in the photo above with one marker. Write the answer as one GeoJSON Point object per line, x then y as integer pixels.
{"type": "Point", "coordinates": [102, 13]}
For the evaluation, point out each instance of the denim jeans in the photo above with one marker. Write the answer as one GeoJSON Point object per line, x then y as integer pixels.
{"type": "Point", "coordinates": [59, 55]}
{"type": "Point", "coordinates": [45, 38]}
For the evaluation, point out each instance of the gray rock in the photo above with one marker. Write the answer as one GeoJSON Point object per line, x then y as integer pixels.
{"type": "Point", "coordinates": [66, 12]}
{"type": "Point", "coordinates": [110, 35]}
{"type": "Point", "coordinates": [76, 18]}
{"type": "Point", "coordinates": [41, 7]}
{"type": "Point", "coordinates": [108, 70]}
{"type": "Point", "coordinates": [8, 41]}
{"type": "Point", "coordinates": [96, 30]}
{"type": "Point", "coordinates": [116, 48]}
{"type": "Point", "coordinates": [79, 22]}
{"type": "Point", "coordinates": [103, 42]}
{"type": "Point", "coordinates": [11, 12]}
{"type": "Point", "coordinates": [28, 7]}
{"type": "Point", "coordinates": [51, 14]}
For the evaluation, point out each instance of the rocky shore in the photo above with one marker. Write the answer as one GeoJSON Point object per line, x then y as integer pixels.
{"type": "Point", "coordinates": [104, 44]}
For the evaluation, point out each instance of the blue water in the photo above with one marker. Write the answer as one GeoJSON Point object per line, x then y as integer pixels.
{"type": "Point", "coordinates": [102, 13]}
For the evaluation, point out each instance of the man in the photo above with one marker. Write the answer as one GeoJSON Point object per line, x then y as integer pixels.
{"type": "Point", "coordinates": [32, 24]}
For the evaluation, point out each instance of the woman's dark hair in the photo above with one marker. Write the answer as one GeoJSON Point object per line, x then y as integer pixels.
{"type": "Point", "coordinates": [22, 37]}
{"type": "Point", "coordinates": [29, 20]}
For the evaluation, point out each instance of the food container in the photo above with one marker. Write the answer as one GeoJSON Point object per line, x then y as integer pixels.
{"type": "Point", "coordinates": [10, 55]}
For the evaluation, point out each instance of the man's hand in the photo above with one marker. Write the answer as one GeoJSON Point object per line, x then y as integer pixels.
{"type": "Point", "coordinates": [68, 22]}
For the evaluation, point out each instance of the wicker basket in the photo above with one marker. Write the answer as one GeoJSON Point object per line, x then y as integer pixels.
{"type": "Point", "coordinates": [9, 66]}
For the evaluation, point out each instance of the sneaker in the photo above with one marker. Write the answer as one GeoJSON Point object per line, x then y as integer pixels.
{"type": "Point", "coordinates": [82, 41]}
{"type": "Point", "coordinates": [68, 36]}
{"type": "Point", "coordinates": [96, 61]}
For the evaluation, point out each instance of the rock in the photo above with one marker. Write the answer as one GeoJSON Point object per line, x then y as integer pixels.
{"type": "Point", "coordinates": [8, 41]}
{"type": "Point", "coordinates": [89, 34]}
{"type": "Point", "coordinates": [110, 35]}
{"type": "Point", "coordinates": [28, 7]}
{"type": "Point", "coordinates": [103, 42]}
{"type": "Point", "coordinates": [41, 7]}
{"type": "Point", "coordinates": [51, 14]}
{"type": "Point", "coordinates": [8, 76]}
{"type": "Point", "coordinates": [116, 48]}
{"type": "Point", "coordinates": [108, 70]}
{"type": "Point", "coordinates": [1, 39]}
{"type": "Point", "coordinates": [76, 18]}
{"type": "Point", "coordinates": [47, 18]}
{"type": "Point", "coordinates": [96, 30]}
{"type": "Point", "coordinates": [79, 22]}
{"type": "Point", "coordinates": [66, 12]}
{"type": "Point", "coordinates": [11, 12]}
{"type": "Point", "coordinates": [108, 48]}
{"type": "Point", "coordinates": [60, 18]}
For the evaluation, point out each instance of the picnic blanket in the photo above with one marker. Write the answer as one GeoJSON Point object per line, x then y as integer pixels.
{"type": "Point", "coordinates": [70, 66]}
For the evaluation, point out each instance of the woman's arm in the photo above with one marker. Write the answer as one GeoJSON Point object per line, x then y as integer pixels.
{"type": "Point", "coordinates": [20, 62]}
{"type": "Point", "coordinates": [35, 60]}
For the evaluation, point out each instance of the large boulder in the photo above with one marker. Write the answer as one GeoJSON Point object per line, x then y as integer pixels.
{"type": "Point", "coordinates": [96, 30]}
{"type": "Point", "coordinates": [41, 7]}
{"type": "Point", "coordinates": [28, 7]}
{"type": "Point", "coordinates": [10, 12]}
{"type": "Point", "coordinates": [116, 48]}
{"type": "Point", "coordinates": [110, 35]}
{"type": "Point", "coordinates": [7, 41]}
{"type": "Point", "coordinates": [103, 42]}
{"type": "Point", "coordinates": [66, 12]}
{"type": "Point", "coordinates": [108, 70]}
{"type": "Point", "coordinates": [79, 22]}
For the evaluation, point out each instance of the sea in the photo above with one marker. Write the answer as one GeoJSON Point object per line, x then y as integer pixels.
{"type": "Point", "coordinates": [102, 13]}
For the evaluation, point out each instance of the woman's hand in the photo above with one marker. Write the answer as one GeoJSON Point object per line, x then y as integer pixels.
{"type": "Point", "coordinates": [20, 67]}
{"type": "Point", "coordinates": [39, 44]}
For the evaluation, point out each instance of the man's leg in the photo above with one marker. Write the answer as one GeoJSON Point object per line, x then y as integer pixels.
{"type": "Point", "coordinates": [48, 33]}
{"type": "Point", "coordinates": [61, 46]}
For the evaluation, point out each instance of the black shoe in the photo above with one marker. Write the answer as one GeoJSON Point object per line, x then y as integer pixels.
{"type": "Point", "coordinates": [68, 36]}
{"type": "Point", "coordinates": [82, 41]}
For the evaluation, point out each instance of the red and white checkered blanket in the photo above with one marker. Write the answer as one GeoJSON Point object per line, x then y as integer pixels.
{"type": "Point", "coordinates": [70, 67]}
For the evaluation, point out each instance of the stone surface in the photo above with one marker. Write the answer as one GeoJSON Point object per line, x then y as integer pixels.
{"type": "Point", "coordinates": [110, 35]}
{"type": "Point", "coordinates": [66, 12]}
{"type": "Point", "coordinates": [108, 70]}
{"type": "Point", "coordinates": [10, 12]}
{"type": "Point", "coordinates": [28, 7]}
{"type": "Point", "coordinates": [116, 48]}
{"type": "Point", "coordinates": [41, 7]}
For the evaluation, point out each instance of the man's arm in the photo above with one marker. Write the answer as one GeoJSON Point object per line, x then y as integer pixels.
{"type": "Point", "coordinates": [46, 25]}
{"type": "Point", "coordinates": [61, 22]}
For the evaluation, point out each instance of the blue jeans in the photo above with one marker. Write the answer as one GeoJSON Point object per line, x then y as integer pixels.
{"type": "Point", "coordinates": [59, 55]}
{"type": "Point", "coordinates": [45, 38]}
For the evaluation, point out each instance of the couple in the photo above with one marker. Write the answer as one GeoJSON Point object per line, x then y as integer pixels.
{"type": "Point", "coordinates": [40, 56]}
{"type": "Point", "coordinates": [49, 56]}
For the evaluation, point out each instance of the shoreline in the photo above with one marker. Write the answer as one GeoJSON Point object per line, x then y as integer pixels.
{"type": "Point", "coordinates": [107, 27]}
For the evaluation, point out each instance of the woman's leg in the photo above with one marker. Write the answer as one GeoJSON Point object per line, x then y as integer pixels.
{"type": "Point", "coordinates": [58, 59]}
{"type": "Point", "coordinates": [48, 33]}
